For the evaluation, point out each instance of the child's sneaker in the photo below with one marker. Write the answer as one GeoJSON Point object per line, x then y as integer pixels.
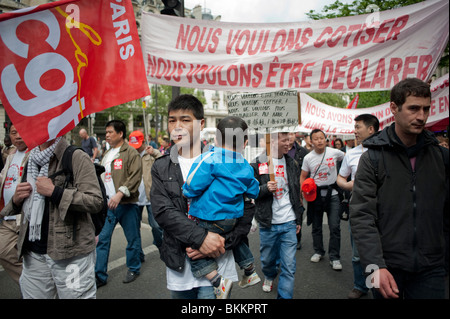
{"type": "Point", "coordinates": [267, 287]}
{"type": "Point", "coordinates": [248, 281]}
{"type": "Point", "coordinates": [224, 288]}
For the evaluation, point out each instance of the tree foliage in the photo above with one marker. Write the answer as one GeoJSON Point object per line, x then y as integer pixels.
{"type": "Point", "coordinates": [133, 110]}
{"type": "Point", "coordinates": [339, 9]}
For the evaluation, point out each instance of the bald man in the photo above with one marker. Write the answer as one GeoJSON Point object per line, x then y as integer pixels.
{"type": "Point", "coordinates": [88, 144]}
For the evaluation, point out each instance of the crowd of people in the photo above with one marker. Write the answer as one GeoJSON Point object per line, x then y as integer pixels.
{"type": "Point", "coordinates": [201, 201]}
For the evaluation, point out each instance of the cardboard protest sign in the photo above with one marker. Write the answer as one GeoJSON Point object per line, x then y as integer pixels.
{"type": "Point", "coordinates": [266, 112]}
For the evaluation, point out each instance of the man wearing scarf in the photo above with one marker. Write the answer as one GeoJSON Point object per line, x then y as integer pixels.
{"type": "Point", "coordinates": [57, 236]}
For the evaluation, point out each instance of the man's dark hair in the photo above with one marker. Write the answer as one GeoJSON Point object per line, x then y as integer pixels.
{"type": "Point", "coordinates": [118, 126]}
{"type": "Point", "coordinates": [409, 87]}
{"type": "Point", "coordinates": [187, 102]}
{"type": "Point", "coordinates": [166, 139]}
{"type": "Point", "coordinates": [369, 120]}
{"type": "Point", "coordinates": [232, 132]}
{"type": "Point", "coordinates": [316, 130]}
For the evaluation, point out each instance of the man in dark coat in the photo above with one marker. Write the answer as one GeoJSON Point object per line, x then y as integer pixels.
{"type": "Point", "coordinates": [397, 206]}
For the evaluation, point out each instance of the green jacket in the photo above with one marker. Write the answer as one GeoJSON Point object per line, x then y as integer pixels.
{"type": "Point", "coordinates": [147, 161]}
{"type": "Point", "coordinates": [81, 198]}
{"type": "Point", "coordinates": [127, 174]}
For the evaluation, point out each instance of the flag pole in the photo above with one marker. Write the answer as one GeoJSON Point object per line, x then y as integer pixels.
{"type": "Point", "coordinates": [269, 157]}
{"type": "Point", "coordinates": [144, 105]}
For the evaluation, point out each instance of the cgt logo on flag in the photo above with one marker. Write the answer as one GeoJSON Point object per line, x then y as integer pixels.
{"type": "Point", "coordinates": [64, 60]}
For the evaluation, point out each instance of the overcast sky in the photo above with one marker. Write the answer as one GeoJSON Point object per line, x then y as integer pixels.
{"type": "Point", "coordinates": [261, 11]}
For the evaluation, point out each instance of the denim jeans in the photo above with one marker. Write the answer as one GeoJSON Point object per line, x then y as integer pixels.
{"type": "Point", "coordinates": [128, 217]}
{"type": "Point", "coordinates": [428, 284]}
{"type": "Point", "coordinates": [334, 224]}
{"type": "Point", "coordinates": [242, 254]}
{"type": "Point", "coordinates": [206, 292]}
{"type": "Point", "coordinates": [156, 229]}
{"type": "Point", "coordinates": [278, 245]}
{"type": "Point", "coordinates": [359, 278]}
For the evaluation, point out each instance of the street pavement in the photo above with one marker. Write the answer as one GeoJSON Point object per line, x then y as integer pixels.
{"type": "Point", "coordinates": [312, 280]}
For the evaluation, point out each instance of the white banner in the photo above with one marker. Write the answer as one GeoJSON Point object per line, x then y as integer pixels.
{"type": "Point", "coordinates": [439, 100]}
{"type": "Point", "coordinates": [279, 111]}
{"type": "Point", "coordinates": [339, 121]}
{"type": "Point", "coordinates": [335, 120]}
{"type": "Point", "coordinates": [358, 53]}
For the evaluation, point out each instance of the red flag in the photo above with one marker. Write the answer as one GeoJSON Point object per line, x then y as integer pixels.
{"type": "Point", "coordinates": [64, 60]}
{"type": "Point", "coordinates": [354, 103]}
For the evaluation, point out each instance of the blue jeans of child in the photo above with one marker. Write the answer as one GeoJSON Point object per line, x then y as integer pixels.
{"type": "Point", "coordinates": [278, 245]}
{"type": "Point", "coordinates": [204, 292]}
{"type": "Point", "coordinates": [242, 254]}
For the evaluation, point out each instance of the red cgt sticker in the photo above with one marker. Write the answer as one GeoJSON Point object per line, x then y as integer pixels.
{"type": "Point", "coordinates": [118, 163]}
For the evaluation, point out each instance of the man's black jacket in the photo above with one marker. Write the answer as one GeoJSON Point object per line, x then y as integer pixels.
{"type": "Point", "coordinates": [397, 213]}
{"type": "Point", "coordinates": [170, 208]}
{"type": "Point", "coordinates": [264, 201]}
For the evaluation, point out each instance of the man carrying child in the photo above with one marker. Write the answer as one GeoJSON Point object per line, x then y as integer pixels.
{"type": "Point", "coordinates": [217, 184]}
{"type": "Point", "coordinates": [182, 236]}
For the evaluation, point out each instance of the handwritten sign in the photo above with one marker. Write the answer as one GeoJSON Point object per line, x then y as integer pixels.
{"type": "Point", "coordinates": [266, 112]}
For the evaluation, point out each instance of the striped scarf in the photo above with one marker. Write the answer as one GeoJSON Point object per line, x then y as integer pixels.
{"type": "Point", "coordinates": [34, 205]}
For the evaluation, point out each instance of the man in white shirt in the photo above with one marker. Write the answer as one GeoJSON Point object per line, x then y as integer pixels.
{"type": "Point", "coordinates": [10, 176]}
{"type": "Point", "coordinates": [365, 125]}
{"type": "Point", "coordinates": [320, 165]}
{"type": "Point", "coordinates": [181, 235]}
{"type": "Point", "coordinates": [279, 214]}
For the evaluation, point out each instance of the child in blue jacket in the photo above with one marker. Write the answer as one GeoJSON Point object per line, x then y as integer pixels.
{"type": "Point", "coordinates": [216, 184]}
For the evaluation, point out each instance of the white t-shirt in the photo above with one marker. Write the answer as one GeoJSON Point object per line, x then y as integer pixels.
{"type": "Point", "coordinates": [185, 280]}
{"type": "Point", "coordinates": [327, 172]}
{"type": "Point", "coordinates": [282, 209]}
{"type": "Point", "coordinates": [185, 164]}
{"type": "Point", "coordinates": [107, 178]}
{"type": "Point", "coordinates": [351, 160]}
{"type": "Point", "coordinates": [15, 170]}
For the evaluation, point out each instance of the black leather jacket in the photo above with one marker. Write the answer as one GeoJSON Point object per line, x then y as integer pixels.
{"type": "Point", "coordinates": [264, 201]}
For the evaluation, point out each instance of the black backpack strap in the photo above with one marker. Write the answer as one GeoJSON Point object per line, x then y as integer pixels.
{"type": "Point", "coordinates": [374, 156]}
{"type": "Point", "coordinates": [67, 170]}
{"type": "Point", "coordinates": [25, 172]}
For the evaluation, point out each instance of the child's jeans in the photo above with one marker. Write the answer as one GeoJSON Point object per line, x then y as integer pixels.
{"type": "Point", "coordinates": [242, 254]}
